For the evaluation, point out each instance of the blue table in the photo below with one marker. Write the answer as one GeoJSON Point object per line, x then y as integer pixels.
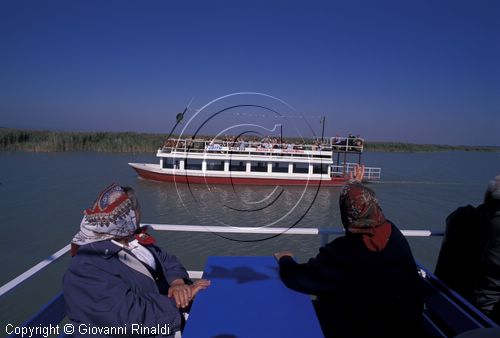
{"type": "Point", "coordinates": [248, 299]}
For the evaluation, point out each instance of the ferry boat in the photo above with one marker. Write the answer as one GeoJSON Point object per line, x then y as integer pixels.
{"type": "Point", "coordinates": [271, 161]}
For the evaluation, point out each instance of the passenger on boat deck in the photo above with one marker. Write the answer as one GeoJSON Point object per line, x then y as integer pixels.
{"type": "Point", "coordinates": [469, 260]}
{"type": "Point", "coordinates": [366, 282]}
{"type": "Point", "coordinates": [118, 277]}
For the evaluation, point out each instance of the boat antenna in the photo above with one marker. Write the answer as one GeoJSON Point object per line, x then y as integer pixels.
{"type": "Point", "coordinates": [179, 117]}
{"type": "Point", "coordinates": [322, 121]}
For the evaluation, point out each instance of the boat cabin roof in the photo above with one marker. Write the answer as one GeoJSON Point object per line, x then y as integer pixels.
{"type": "Point", "coordinates": [267, 144]}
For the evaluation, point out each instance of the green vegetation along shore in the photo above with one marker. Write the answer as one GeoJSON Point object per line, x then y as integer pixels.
{"type": "Point", "coordinates": [413, 147]}
{"type": "Point", "coordinates": [56, 141]}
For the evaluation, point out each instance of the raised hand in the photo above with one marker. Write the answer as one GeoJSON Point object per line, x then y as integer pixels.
{"type": "Point", "coordinates": [358, 173]}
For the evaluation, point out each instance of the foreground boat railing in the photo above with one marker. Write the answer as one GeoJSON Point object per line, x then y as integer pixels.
{"type": "Point", "coordinates": [324, 234]}
{"type": "Point", "coordinates": [34, 270]}
{"type": "Point", "coordinates": [447, 313]}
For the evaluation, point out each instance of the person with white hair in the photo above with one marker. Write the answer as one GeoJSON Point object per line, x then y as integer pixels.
{"type": "Point", "coordinates": [469, 260]}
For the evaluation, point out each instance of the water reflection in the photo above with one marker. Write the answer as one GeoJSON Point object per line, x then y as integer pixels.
{"type": "Point", "coordinates": [239, 206]}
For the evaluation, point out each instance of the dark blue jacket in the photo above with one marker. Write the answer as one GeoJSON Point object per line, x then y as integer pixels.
{"type": "Point", "coordinates": [361, 293]}
{"type": "Point", "coordinates": [101, 290]}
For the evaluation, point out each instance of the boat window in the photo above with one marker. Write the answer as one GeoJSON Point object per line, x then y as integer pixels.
{"type": "Point", "coordinates": [168, 163]}
{"type": "Point", "coordinates": [320, 168]}
{"type": "Point", "coordinates": [280, 167]}
{"type": "Point", "coordinates": [258, 166]}
{"type": "Point", "coordinates": [215, 165]}
{"type": "Point", "coordinates": [198, 145]}
{"type": "Point", "coordinates": [237, 166]}
{"type": "Point", "coordinates": [193, 164]}
{"type": "Point", "coordinates": [301, 168]}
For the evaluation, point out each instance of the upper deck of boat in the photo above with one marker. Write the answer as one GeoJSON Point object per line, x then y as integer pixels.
{"type": "Point", "coordinates": [266, 147]}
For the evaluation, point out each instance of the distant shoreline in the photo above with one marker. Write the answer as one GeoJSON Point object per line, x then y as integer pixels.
{"type": "Point", "coordinates": [26, 140]}
{"type": "Point", "coordinates": [424, 148]}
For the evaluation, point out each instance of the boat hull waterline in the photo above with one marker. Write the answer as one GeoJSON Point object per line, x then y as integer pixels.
{"type": "Point", "coordinates": [154, 175]}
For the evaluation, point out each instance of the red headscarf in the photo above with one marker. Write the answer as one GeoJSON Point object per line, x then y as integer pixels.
{"type": "Point", "coordinates": [361, 214]}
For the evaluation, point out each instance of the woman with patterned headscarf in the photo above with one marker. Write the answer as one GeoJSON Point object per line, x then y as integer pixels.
{"type": "Point", "coordinates": [118, 280]}
{"type": "Point", "coordinates": [366, 281]}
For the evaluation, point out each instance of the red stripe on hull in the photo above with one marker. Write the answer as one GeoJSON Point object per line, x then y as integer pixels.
{"type": "Point", "coordinates": [151, 175]}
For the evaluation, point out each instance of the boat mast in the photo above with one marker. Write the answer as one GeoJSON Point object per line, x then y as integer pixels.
{"type": "Point", "coordinates": [322, 129]}
{"type": "Point", "coordinates": [179, 117]}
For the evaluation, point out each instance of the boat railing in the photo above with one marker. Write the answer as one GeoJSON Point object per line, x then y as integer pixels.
{"type": "Point", "coordinates": [446, 312]}
{"type": "Point", "coordinates": [249, 150]}
{"type": "Point", "coordinates": [265, 147]}
{"type": "Point", "coordinates": [371, 173]}
{"type": "Point", "coordinates": [347, 144]}
{"type": "Point", "coordinates": [323, 234]}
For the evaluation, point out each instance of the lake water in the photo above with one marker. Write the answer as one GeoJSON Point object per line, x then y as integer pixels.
{"type": "Point", "coordinates": [42, 197]}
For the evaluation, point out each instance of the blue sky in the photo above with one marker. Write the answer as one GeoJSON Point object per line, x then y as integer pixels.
{"type": "Point", "coordinates": [414, 71]}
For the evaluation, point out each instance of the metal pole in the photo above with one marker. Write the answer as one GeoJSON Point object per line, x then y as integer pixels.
{"type": "Point", "coordinates": [281, 137]}
{"type": "Point", "coordinates": [323, 130]}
